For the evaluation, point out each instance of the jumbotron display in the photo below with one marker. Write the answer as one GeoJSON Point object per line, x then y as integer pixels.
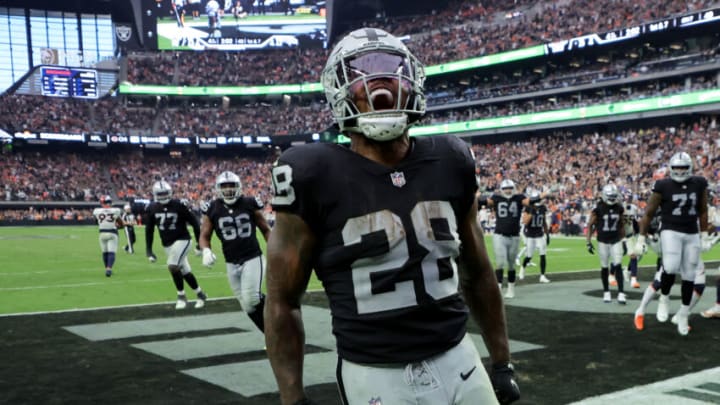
{"type": "Point", "coordinates": [239, 25]}
{"type": "Point", "coordinates": [69, 82]}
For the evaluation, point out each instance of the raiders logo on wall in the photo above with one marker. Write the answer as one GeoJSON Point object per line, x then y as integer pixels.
{"type": "Point", "coordinates": [123, 32]}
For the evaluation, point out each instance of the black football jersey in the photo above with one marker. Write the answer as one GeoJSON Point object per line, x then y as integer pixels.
{"type": "Point", "coordinates": [507, 213]}
{"type": "Point", "coordinates": [609, 221]}
{"type": "Point", "coordinates": [172, 220]}
{"type": "Point", "coordinates": [680, 203]}
{"type": "Point", "coordinates": [387, 242]}
{"type": "Point", "coordinates": [234, 225]}
{"type": "Point", "coordinates": [535, 228]}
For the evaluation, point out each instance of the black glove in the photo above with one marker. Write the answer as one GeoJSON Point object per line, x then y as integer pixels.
{"type": "Point", "coordinates": [590, 248]}
{"type": "Point", "coordinates": [624, 244]}
{"type": "Point", "coordinates": [547, 239]}
{"type": "Point", "coordinates": [506, 389]}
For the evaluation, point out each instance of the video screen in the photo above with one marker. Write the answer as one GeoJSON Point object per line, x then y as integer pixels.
{"type": "Point", "coordinates": [237, 25]}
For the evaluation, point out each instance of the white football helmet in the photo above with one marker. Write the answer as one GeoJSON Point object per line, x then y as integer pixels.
{"type": "Point", "coordinates": [395, 100]}
{"type": "Point", "coordinates": [228, 187]}
{"type": "Point", "coordinates": [127, 208]}
{"type": "Point", "coordinates": [535, 198]}
{"type": "Point", "coordinates": [631, 211]}
{"type": "Point", "coordinates": [610, 194]}
{"type": "Point", "coordinates": [106, 201]}
{"type": "Point", "coordinates": [162, 192]}
{"type": "Point", "coordinates": [507, 188]}
{"type": "Point", "coordinates": [681, 166]}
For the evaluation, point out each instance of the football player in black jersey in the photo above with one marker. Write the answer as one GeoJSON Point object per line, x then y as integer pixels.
{"type": "Point", "coordinates": [386, 244]}
{"type": "Point", "coordinates": [537, 236]}
{"type": "Point", "coordinates": [234, 218]}
{"type": "Point", "coordinates": [172, 219]}
{"type": "Point", "coordinates": [507, 207]}
{"type": "Point", "coordinates": [608, 220]}
{"type": "Point", "coordinates": [684, 232]}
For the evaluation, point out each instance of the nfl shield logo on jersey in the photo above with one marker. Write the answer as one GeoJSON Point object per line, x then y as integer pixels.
{"type": "Point", "coordinates": [398, 179]}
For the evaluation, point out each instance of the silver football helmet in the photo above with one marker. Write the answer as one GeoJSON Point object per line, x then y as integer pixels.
{"type": "Point", "coordinates": [375, 68]}
{"type": "Point", "coordinates": [535, 198]}
{"type": "Point", "coordinates": [507, 188]}
{"type": "Point", "coordinates": [162, 192]}
{"type": "Point", "coordinates": [610, 194]}
{"type": "Point", "coordinates": [681, 166]}
{"type": "Point", "coordinates": [631, 211]}
{"type": "Point", "coordinates": [228, 187]}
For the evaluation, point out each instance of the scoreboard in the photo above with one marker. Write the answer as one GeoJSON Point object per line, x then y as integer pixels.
{"type": "Point", "coordinates": [69, 82]}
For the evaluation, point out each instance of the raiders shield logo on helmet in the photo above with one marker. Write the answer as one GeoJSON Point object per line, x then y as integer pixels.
{"type": "Point", "coordinates": [123, 32]}
{"type": "Point", "coordinates": [398, 179]}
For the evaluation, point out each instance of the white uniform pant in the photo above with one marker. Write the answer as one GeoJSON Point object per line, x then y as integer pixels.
{"type": "Point", "coordinates": [246, 281]}
{"type": "Point", "coordinates": [506, 249]}
{"type": "Point", "coordinates": [177, 254]}
{"type": "Point", "coordinates": [108, 242]}
{"type": "Point", "coordinates": [535, 244]}
{"type": "Point", "coordinates": [455, 377]}
{"type": "Point", "coordinates": [681, 253]}
{"type": "Point", "coordinates": [610, 253]}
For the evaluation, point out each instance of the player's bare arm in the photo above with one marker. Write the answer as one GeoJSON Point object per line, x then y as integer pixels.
{"type": "Point", "coordinates": [526, 217]}
{"type": "Point", "coordinates": [703, 213]}
{"type": "Point", "coordinates": [591, 227]}
{"type": "Point", "coordinates": [262, 224]}
{"type": "Point", "coordinates": [650, 209]}
{"type": "Point", "coordinates": [206, 228]}
{"type": "Point", "coordinates": [479, 287]}
{"type": "Point", "coordinates": [290, 248]}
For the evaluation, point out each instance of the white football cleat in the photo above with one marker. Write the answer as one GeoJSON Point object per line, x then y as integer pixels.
{"type": "Point", "coordinates": [622, 299]}
{"type": "Point", "coordinates": [510, 293]}
{"type": "Point", "coordinates": [201, 298]}
{"type": "Point", "coordinates": [663, 308]}
{"type": "Point", "coordinates": [521, 273]}
{"type": "Point", "coordinates": [607, 296]}
{"type": "Point", "coordinates": [181, 302]}
{"type": "Point", "coordinates": [682, 323]}
{"type": "Point", "coordinates": [544, 279]}
{"type": "Point", "coordinates": [712, 312]}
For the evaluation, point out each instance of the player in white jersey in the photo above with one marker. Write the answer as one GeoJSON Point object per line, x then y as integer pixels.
{"type": "Point", "coordinates": [109, 219]}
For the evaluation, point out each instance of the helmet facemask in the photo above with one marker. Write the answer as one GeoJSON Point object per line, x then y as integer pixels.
{"type": "Point", "coordinates": [162, 192]}
{"type": "Point", "coordinates": [228, 187]}
{"type": "Point", "coordinates": [374, 86]}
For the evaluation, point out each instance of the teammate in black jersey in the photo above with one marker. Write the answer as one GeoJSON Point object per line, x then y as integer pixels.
{"type": "Point", "coordinates": [608, 220]}
{"type": "Point", "coordinates": [684, 231]}
{"type": "Point", "coordinates": [382, 223]}
{"type": "Point", "coordinates": [507, 207]}
{"type": "Point", "coordinates": [234, 218]}
{"type": "Point", "coordinates": [535, 230]}
{"type": "Point", "coordinates": [172, 219]}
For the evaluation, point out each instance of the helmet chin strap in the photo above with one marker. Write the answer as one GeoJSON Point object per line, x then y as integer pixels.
{"type": "Point", "coordinates": [383, 127]}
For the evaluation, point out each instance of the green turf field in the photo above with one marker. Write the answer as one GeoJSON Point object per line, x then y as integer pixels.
{"type": "Point", "coordinates": [54, 268]}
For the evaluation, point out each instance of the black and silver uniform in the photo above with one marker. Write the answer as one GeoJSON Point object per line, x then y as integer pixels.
{"type": "Point", "coordinates": [536, 227]}
{"type": "Point", "coordinates": [680, 203]}
{"type": "Point", "coordinates": [234, 225]}
{"type": "Point", "coordinates": [609, 219]}
{"type": "Point", "coordinates": [507, 214]}
{"type": "Point", "coordinates": [172, 220]}
{"type": "Point", "coordinates": [387, 242]}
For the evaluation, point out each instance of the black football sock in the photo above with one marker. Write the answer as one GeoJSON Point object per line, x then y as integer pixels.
{"type": "Point", "coordinates": [105, 259]}
{"type": "Point", "coordinates": [666, 283]}
{"type": "Point", "coordinates": [687, 291]}
{"type": "Point", "coordinates": [190, 279]}
{"type": "Point", "coordinates": [511, 276]}
{"type": "Point", "coordinates": [633, 266]}
{"type": "Point", "coordinates": [257, 314]}
{"type": "Point", "coordinates": [177, 279]}
{"type": "Point", "coordinates": [111, 259]}
{"type": "Point", "coordinates": [604, 278]}
{"type": "Point", "coordinates": [526, 260]}
{"type": "Point", "coordinates": [620, 279]}
{"type": "Point", "coordinates": [499, 275]}
{"type": "Point", "coordinates": [542, 264]}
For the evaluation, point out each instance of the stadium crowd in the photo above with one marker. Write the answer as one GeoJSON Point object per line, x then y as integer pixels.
{"type": "Point", "coordinates": [575, 165]}
{"type": "Point", "coordinates": [469, 30]}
